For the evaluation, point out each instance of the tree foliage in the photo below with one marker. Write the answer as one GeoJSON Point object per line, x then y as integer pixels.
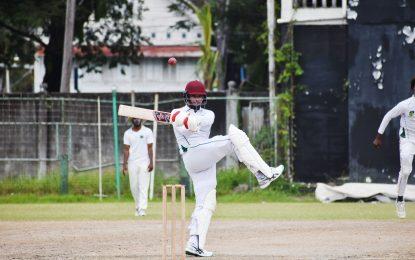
{"type": "Point", "coordinates": [202, 10]}
{"type": "Point", "coordinates": [247, 45]}
{"type": "Point", "coordinates": [246, 25]}
{"type": "Point", "coordinates": [207, 63]}
{"type": "Point", "coordinates": [288, 61]}
{"type": "Point", "coordinates": [101, 27]}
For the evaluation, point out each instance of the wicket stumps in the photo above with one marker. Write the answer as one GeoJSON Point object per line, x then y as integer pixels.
{"type": "Point", "coordinates": [173, 221]}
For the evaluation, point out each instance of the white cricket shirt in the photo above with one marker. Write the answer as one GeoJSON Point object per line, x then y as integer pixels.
{"type": "Point", "coordinates": [138, 141]}
{"type": "Point", "coordinates": [405, 109]}
{"type": "Point", "coordinates": [185, 137]}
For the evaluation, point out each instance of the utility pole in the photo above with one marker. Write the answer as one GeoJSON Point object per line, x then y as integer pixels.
{"type": "Point", "coordinates": [67, 45]}
{"type": "Point", "coordinates": [271, 73]}
{"type": "Point", "coordinates": [271, 62]}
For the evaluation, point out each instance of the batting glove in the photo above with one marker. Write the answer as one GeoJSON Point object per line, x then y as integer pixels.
{"type": "Point", "coordinates": [177, 117]}
{"type": "Point", "coordinates": [192, 123]}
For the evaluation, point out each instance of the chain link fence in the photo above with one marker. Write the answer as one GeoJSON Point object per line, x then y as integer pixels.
{"type": "Point", "coordinates": [39, 132]}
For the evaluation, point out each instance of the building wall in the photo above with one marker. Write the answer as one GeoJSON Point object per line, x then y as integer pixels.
{"type": "Point", "coordinates": [313, 12]}
{"type": "Point", "coordinates": [320, 152]}
{"type": "Point", "coordinates": [152, 74]}
{"type": "Point", "coordinates": [353, 75]}
{"type": "Point", "coordinates": [157, 25]}
{"type": "Point", "coordinates": [320, 124]}
{"type": "Point", "coordinates": [381, 65]}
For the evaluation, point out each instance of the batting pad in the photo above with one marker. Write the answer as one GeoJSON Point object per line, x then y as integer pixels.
{"type": "Point", "coordinates": [204, 217]}
{"type": "Point", "coordinates": [246, 152]}
{"type": "Point", "coordinates": [363, 191]}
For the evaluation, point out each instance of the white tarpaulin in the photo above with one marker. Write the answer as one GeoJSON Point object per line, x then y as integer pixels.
{"type": "Point", "coordinates": [381, 192]}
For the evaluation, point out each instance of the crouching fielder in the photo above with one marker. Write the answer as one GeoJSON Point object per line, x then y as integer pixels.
{"type": "Point", "coordinates": [192, 124]}
{"type": "Point", "coordinates": [405, 109]}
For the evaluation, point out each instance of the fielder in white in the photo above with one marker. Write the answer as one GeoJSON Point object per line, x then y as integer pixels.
{"type": "Point", "coordinates": [192, 124]}
{"type": "Point", "coordinates": [405, 109]}
{"type": "Point", "coordinates": [138, 161]}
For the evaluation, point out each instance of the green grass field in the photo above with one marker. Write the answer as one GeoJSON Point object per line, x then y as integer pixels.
{"type": "Point", "coordinates": [234, 185]}
{"type": "Point", "coordinates": [31, 199]}
{"type": "Point", "coordinates": [225, 211]}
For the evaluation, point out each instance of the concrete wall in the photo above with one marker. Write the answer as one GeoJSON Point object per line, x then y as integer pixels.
{"type": "Point", "coordinates": [381, 65]}
{"type": "Point", "coordinates": [320, 153]}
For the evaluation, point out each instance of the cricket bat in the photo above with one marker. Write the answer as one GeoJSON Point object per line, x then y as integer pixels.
{"type": "Point", "coordinates": [145, 114]}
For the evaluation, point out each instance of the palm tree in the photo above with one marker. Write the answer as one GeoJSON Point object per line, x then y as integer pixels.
{"type": "Point", "coordinates": [207, 63]}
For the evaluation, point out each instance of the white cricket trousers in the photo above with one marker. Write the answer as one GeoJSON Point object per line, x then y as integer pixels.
{"type": "Point", "coordinates": [139, 182]}
{"type": "Point", "coordinates": [200, 162]}
{"type": "Point", "coordinates": [406, 154]}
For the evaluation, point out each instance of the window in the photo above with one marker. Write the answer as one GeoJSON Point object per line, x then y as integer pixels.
{"type": "Point", "coordinates": [183, 35]}
{"type": "Point", "coordinates": [168, 35]}
{"type": "Point", "coordinates": [317, 4]}
{"type": "Point", "coordinates": [199, 35]}
{"type": "Point", "coordinates": [153, 35]}
{"type": "Point", "coordinates": [314, 11]}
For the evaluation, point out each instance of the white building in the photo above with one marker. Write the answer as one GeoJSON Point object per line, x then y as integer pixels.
{"type": "Point", "coordinates": [314, 12]}
{"type": "Point", "coordinates": [153, 74]}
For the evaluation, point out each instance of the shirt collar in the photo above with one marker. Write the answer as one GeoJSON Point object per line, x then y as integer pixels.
{"type": "Point", "coordinates": [187, 108]}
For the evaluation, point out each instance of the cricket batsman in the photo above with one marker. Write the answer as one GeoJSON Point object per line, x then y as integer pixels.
{"type": "Point", "coordinates": [192, 124]}
{"type": "Point", "coordinates": [406, 110]}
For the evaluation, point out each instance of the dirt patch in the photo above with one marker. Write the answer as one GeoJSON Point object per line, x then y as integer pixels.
{"type": "Point", "coordinates": [227, 239]}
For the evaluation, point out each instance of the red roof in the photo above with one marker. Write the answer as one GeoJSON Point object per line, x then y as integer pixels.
{"type": "Point", "coordinates": [155, 51]}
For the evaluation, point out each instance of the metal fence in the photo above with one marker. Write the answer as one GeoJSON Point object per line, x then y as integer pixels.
{"type": "Point", "coordinates": [36, 130]}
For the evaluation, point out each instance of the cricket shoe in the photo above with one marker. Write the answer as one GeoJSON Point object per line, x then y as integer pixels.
{"type": "Point", "coordinates": [400, 209]}
{"type": "Point", "coordinates": [195, 251]}
{"type": "Point", "coordinates": [140, 212]}
{"type": "Point", "coordinates": [264, 181]}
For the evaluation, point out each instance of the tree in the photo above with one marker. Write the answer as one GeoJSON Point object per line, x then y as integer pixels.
{"type": "Point", "coordinates": [240, 37]}
{"type": "Point", "coordinates": [102, 27]}
{"type": "Point", "coordinates": [222, 35]}
{"type": "Point", "coordinates": [248, 41]}
{"type": "Point", "coordinates": [208, 62]}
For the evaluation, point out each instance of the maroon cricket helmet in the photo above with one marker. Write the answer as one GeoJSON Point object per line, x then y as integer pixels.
{"type": "Point", "coordinates": [195, 87]}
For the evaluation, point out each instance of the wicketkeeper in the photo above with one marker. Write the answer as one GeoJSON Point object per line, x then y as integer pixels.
{"type": "Point", "coordinates": [192, 124]}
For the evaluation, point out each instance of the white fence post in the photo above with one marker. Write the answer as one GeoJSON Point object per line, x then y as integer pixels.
{"type": "Point", "coordinates": [231, 118]}
{"type": "Point", "coordinates": [99, 147]}
{"type": "Point", "coordinates": [156, 107]}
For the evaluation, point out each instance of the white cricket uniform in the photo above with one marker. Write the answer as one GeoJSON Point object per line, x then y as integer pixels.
{"type": "Point", "coordinates": [200, 155]}
{"type": "Point", "coordinates": [138, 161]}
{"type": "Point", "coordinates": [405, 109]}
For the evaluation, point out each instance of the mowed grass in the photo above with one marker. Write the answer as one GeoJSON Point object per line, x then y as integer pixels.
{"type": "Point", "coordinates": [225, 211]}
